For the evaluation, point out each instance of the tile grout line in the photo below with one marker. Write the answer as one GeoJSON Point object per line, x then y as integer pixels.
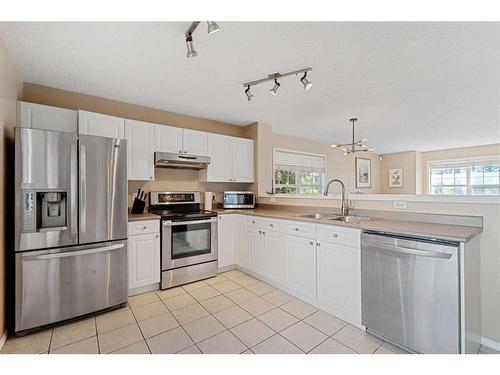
{"type": "Point", "coordinates": [138, 326]}
{"type": "Point", "coordinates": [180, 326]}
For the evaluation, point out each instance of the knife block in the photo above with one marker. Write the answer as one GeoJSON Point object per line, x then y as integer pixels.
{"type": "Point", "coordinates": [138, 207]}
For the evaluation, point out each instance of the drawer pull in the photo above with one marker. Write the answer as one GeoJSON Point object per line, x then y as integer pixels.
{"type": "Point", "coordinates": [311, 243]}
{"type": "Point", "coordinates": [144, 227]}
{"type": "Point", "coordinates": [335, 235]}
{"type": "Point", "coordinates": [253, 221]}
{"type": "Point", "coordinates": [271, 225]}
{"type": "Point", "coordinates": [260, 232]}
{"type": "Point", "coordinates": [296, 229]}
{"type": "Point", "coordinates": [317, 244]}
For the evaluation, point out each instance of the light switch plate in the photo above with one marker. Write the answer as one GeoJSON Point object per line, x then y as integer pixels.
{"type": "Point", "coordinates": [400, 204]}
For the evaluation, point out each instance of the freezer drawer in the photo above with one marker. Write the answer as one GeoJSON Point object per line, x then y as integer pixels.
{"type": "Point", "coordinates": [410, 292]}
{"type": "Point", "coordinates": [59, 284]}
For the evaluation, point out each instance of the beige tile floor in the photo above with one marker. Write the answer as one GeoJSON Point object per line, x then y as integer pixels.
{"type": "Point", "coordinates": [231, 313]}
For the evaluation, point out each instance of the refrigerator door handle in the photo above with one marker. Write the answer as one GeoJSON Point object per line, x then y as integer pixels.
{"type": "Point", "coordinates": [83, 188]}
{"type": "Point", "coordinates": [75, 253]}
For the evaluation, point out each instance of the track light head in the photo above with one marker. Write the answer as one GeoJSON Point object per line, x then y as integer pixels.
{"type": "Point", "coordinates": [276, 87]}
{"type": "Point", "coordinates": [212, 27]}
{"type": "Point", "coordinates": [249, 94]}
{"type": "Point", "coordinates": [191, 52]}
{"type": "Point", "coordinates": [307, 84]}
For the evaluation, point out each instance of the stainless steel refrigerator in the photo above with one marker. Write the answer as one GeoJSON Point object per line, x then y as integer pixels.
{"type": "Point", "coordinates": [70, 226]}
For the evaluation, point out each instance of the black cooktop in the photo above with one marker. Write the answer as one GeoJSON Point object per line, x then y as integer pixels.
{"type": "Point", "coordinates": [184, 215]}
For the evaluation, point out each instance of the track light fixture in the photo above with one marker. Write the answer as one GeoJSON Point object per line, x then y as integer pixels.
{"type": "Point", "coordinates": [276, 87]}
{"type": "Point", "coordinates": [191, 52]}
{"type": "Point", "coordinates": [307, 84]}
{"type": "Point", "coordinates": [354, 146]}
{"type": "Point", "coordinates": [249, 94]}
{"type": "Point", "coordinates": [274, 77]}
{"type": "Point", "coordinates": [211, 29]}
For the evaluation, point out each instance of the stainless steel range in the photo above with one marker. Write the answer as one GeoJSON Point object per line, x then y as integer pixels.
{"type": "Point", "coordinates": [188, 237]}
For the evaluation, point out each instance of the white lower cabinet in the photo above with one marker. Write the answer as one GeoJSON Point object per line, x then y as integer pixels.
{"type": "Point", "coordinates": [241, 241]}
{"type": "Point", "coordinates": [226, 240]}
{"type": "Point", "coordinates": [339, 280]}
{"type": "Point", "coordinates": [255, 240]}
{"type": "Point", "coordinates": [300, 266]}
{"type": "Point", "coordinates": [143, 259]}
{"type": "Point", "coordinates": [272, 257]}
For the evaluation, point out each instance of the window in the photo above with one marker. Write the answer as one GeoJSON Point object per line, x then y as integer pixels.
{"type": "Point", "coordinates": [298, 173]}
{"type": "Point", "coordinates": [480, 176]}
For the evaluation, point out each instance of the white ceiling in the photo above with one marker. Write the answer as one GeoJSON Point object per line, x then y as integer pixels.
{"type": "Point", "coordinates": [416, 86]}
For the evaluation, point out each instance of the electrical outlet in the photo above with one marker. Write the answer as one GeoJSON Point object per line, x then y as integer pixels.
{"type": "Point", "coordinates": [400, 204]}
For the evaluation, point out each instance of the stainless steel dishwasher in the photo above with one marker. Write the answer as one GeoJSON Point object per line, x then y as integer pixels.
{"type": "Point", "coordinates": [410, 291]}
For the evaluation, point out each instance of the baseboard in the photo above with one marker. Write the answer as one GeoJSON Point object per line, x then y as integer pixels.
{"type": "Point", "coordinates": [3, 339]}
{"type": "Point", "coordinates": [143, 289]}
{"type": "Point", "coordinates": [490, 343]}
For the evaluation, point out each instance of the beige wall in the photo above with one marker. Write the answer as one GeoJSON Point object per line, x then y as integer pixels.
{"type": "Point", "coordinates": [338, 165]}
{"type": "Point", "coordinates": [409, 162]}
{"type": "Point", "coordinates": [454, 153]}
{"type": "Point", "coordinates": [10, 90]}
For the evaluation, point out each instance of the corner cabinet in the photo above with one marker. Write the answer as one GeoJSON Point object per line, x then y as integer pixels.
{"type": "Point", "coordinates": [143, 256]}
{"type": "Point", "coordinates": [91, 123]}
{"type": "Point", "coordinates": [231, 159]}
{"type": "Point", "coordinates": [140, 138]}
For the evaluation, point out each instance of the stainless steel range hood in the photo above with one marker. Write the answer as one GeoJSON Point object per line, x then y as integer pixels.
{"type": "Point", "coordinates": [174, 160]}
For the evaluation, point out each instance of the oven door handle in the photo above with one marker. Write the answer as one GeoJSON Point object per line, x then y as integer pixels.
{"type": "Point", "coordinates": [174, 223]}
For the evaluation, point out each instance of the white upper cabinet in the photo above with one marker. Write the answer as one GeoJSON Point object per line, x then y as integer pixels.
{"type": "Point", "coordinates": [37, 116]}
{"type": "Point", "coordinates": [231, 160]}
{"type": "Point", "coordinates": [180, 141]}
{"type": "Point", "coordinates": [220, 167]}
{"type": "Point", "coordinates": [91, 123]}
{"type": "Point", "coordinates": [168, 139]}
{"type": "Point", "coordinates": [243, 162]}
{"type": "Point", "coordinates": [140, 150]}
{"type": "Point", "coordinates": [194, 142]}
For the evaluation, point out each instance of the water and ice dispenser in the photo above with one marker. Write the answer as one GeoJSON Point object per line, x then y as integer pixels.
{"type": "Point", "coordinates": [45, 211]}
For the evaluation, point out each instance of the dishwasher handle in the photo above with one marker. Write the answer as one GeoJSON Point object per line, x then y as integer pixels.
{"type": "Point", "coordinates": [407, 250]}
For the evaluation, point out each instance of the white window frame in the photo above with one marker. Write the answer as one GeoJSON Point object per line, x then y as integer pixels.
{"type": "Point", "coordinates": [323, 181]}
{"type": "Point", "coordinates": [469, 163]}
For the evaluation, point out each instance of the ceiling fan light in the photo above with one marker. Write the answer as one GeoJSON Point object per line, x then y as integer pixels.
{"type": "Point", "coordinates": [212, 27]}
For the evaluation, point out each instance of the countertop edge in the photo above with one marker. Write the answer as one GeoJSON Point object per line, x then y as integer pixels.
{"type": "Point", "coordinates": [474, 231]}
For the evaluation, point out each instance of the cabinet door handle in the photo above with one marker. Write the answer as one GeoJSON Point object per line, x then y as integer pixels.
{"type": "Point", "coordinates": [144, 227]}
{"type": "Point", "coordinates": [317, 244]}
{"type": "Point", "coordinates": [260, 232]}
{"type": "Point", "coordinates": [311, 243]}
{"type": "Point", "coordinates": [335, 235]}
{"type": "Point", "coordinates": [296, 229]}
{"type": "Point", "coordinates": [264, 233]}
{"type": "Point", "coordinates": [271, 225]}
{"type": "Point", "coordinates": [157, 236]}
{"type": "Point", "coordinates": [180, 151]}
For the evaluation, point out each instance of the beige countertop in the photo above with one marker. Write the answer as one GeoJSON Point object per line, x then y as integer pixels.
{"type": "Point", "coordinates": [458, 233]}
{"type": "Point", "coordinates": [145, 216]}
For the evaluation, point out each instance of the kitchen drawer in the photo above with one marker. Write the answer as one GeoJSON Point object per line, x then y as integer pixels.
{"type": "Point", "coordinates": [274, 225]}
{"type": "Point", "coordinates": [338, 234]}
{"type": "Point", "coordinates": [256, 222]}
{"type": "Point", "coordinates": [143, 226]}
{"type": "Point", "coordinates": [301, 229]}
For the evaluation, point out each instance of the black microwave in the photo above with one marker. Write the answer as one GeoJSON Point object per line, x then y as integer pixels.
{"type": "Point", "coordinates": [239, 199]}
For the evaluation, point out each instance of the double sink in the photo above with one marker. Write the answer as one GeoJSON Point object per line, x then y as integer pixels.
{"type": "Point", "coordinates": [346, 219]}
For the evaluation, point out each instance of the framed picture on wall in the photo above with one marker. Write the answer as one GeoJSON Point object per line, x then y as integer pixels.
{"type": "Point", "coordinates": [363, 173]}
{"type": "Point", "coordinates": [396, 177]}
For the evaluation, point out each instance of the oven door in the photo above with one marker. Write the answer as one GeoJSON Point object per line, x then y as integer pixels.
{"type": "Point", "coordinates": [188, 242]}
